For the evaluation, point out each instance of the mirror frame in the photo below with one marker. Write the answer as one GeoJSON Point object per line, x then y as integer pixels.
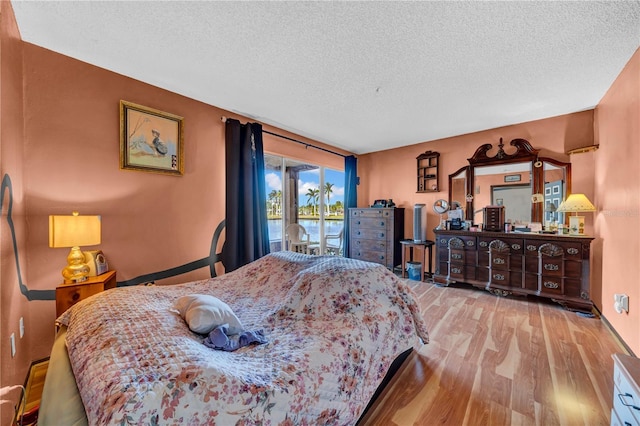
{"type": "Point", "coordinates": [524, 153]}
{"type": "Point", "coordinates": [467, 204]}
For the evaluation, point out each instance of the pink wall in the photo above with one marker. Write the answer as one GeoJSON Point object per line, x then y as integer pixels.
{"type": "Point", "coordinates": [610, 177]}
{"type": "Point", "coordinates": [68, 154]}
{"type": "Point", "coordinates": [151, 222]}
{"type": "Point", "coordinates": [392, 173]}
{"type": "Point", "coordinates": [12, 304]}
{"type": "Point", "coordinates": [617, 197]}
{"type": "Point", "coordinates": [67, 158]}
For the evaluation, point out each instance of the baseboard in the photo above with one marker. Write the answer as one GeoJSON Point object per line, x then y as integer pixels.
{"type": "Point", "coordinates": [614, 333]}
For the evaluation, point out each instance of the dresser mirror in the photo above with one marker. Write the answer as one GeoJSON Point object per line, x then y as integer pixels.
{"type": "Point", "coordinates": [458, 189]}
{"type": "Point", "coordinates": [528, 186]}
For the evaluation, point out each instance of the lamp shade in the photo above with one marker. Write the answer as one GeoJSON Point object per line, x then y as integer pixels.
{"type": "Point", "coordinates": [74, 230]}
{"type": "Point", "coordinates": [576, 203]}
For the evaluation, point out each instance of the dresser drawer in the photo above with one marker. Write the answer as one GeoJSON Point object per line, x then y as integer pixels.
{"type": "Point", "coordinates": [551, 266]}
{"type": "Point", "coordinates": [369, 244]}
{"type": "Point", "coordinates": [499, 261]}
{"type": "Point", "coordinates": [371, 213]}
{"type": "Point", "coordinates": [626, 393]}
{"type": "Point", "coordinates": [370, 256]}
{"type": "Point", "coordinates": [572, 250]}
{"type": "Point", "coordinates": [551, 285]}
{"type": "Point", "coordinates": [370, 234]}
{"type": "Point", "coordinates": [468, 243]}
{"type": "Point", "coordinates": [516, 246]}
{"type": "Point", "coordinates": [369, 223]}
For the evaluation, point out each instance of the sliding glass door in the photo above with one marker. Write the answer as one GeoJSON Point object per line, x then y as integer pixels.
{"type": "Point", "coordinates": [309, 197]}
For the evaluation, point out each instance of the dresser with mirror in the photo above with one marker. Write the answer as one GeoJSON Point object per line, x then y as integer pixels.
{"type": "Point", "coordinates": [523, 186]}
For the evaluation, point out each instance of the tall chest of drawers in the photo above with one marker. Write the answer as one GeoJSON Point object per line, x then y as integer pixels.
{"type": "Point", "coordinates": [626, 391]}
{"type": "Point", "coordinates": [375, 234]}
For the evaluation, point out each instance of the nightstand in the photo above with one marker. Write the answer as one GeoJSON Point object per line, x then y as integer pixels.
{"type": "Point", "coordinates": [68, 295]}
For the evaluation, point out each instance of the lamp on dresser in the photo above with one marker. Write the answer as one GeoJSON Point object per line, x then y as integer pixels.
{"type": "Point", "coordinates": [576, 203]}
{"type": "Point", "coordinates": [74, 231]}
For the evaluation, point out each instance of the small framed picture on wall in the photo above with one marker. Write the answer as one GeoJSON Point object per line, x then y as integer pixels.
{"type": "Point", "coordinates": [150, 140]}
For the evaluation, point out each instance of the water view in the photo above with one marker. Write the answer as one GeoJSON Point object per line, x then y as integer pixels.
{"type": "Point", "coordinates": [331, 227]}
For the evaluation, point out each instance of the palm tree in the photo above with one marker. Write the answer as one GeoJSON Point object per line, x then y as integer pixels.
{"type": "Point", "coordinates": [312, 198]}
{"type": "Point", "coordinates": [328, 189]}
{"type": "Point", "coordinates": [271, 199]}
{"type": "Point", "coordinates": [278, 201]}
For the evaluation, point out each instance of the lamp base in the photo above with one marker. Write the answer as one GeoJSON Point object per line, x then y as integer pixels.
{"type": "Point", "coordinates": [576, 225]}
{"type": "Point", "coordinates": [77, 270]}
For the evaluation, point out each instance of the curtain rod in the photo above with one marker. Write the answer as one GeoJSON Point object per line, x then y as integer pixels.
{"type": "Point", "coordinates": [306, 144]}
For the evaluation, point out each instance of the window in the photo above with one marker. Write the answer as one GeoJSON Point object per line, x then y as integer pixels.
{"type": "Point", "coordinates": [308, 195]}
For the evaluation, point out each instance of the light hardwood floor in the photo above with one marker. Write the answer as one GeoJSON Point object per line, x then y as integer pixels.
{"type": "Point", "coordinates": [500, 361]}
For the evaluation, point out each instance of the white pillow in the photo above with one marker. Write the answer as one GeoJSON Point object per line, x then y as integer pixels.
{"type": "Point", "coordinates": [203, 313]}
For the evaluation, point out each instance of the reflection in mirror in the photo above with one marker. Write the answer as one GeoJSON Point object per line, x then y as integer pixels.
{"type": "Point", "coordinates": [555, 191]}
{"type": "Point", "coordinates": [458, 189]}
{"type": "Point", "coordinates": [506, 176]}
{"type": "Point", "coordinates": [507, 185]}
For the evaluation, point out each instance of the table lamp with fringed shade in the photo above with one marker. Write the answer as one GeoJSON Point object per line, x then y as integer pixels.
{"type": "Point", "coordinates": [74, 231]}
{"type": "Point", "coordinates": [576, 203]}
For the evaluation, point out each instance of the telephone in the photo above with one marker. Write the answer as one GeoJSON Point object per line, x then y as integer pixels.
{"type": "Point", "coordinates": [456, 223]}
{"type": "Point", "coordinates": [383, 203]}
{"type": "Point", "coordinates": [96, 262]}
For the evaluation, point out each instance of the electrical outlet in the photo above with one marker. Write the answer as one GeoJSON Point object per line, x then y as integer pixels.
{"type": "Point", "coordinates": [621, 303]}
{"type": "Point", "coordinates": [13, 344]}
{"type": "Point", "coordinates": [21, 327]}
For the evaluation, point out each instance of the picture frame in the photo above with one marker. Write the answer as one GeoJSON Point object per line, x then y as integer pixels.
{"type": "Point", "coordinates": [151, 140]}
{"type": "Point", "coordinates": [512, 178]}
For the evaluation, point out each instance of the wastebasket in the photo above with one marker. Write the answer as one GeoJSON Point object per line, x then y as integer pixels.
{"type": "Point", "coordinates": [414, 269]}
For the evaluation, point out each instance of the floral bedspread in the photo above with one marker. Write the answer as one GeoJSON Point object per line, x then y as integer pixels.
{"type": "Point", "coordinates": [334, 326]}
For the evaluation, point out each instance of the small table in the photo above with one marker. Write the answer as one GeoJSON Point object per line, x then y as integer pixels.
{"type": "Point", "coordinates": [408, 246]}
{"type": "Point", "coordinates": [69, 294]}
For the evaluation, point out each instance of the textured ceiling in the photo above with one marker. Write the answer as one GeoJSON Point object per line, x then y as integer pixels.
{"type": "Point", "coordinates": [363, 76]}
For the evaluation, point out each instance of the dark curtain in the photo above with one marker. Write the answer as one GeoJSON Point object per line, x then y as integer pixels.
{"type": "Point", "coordinates": [350, 194]}
{"type": "Point", "coordinates": [247, 231]}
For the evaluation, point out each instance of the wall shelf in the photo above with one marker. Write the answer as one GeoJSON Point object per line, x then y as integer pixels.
{"type": "Point", "coordinates": [428, 172]}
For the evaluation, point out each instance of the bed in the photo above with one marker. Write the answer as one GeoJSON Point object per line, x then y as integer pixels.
{"type": "Point", "coordinates": [333, 328]}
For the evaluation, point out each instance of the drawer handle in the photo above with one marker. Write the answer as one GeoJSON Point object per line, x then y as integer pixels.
{"type": "Point", "coordinates": [551, 267]}
{"type": "Point", "coordinates": [456, 270]}
{"type": "Point", "coordinates": [483, 244]}
{"type": "Point", "coordinates": [456, 256]}
{"type": "Point", "coordinates": [498, 261]}
{"type": "Point", "coordinates": [572, 250]}
{"type": "Point", "coordinates": [516, 246]}
{"type": "Point", "coordinates": [75, 297]}
{"type": "Point", "coordinates": [382, 235]}
{"type": "Point", "coordinates": [627, 395]}
{"type": "Point", "coordinates": [531, 247]}
{"type": "Point", "coordinates": [498, 277]}
{"type": "Point", "coordinates": [551, 284]}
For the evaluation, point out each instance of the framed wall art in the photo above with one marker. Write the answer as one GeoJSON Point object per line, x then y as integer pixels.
{"type": "Point", "coordinates": [512, 178]}
{"type": "Point", "coordinates": [151, 140]}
